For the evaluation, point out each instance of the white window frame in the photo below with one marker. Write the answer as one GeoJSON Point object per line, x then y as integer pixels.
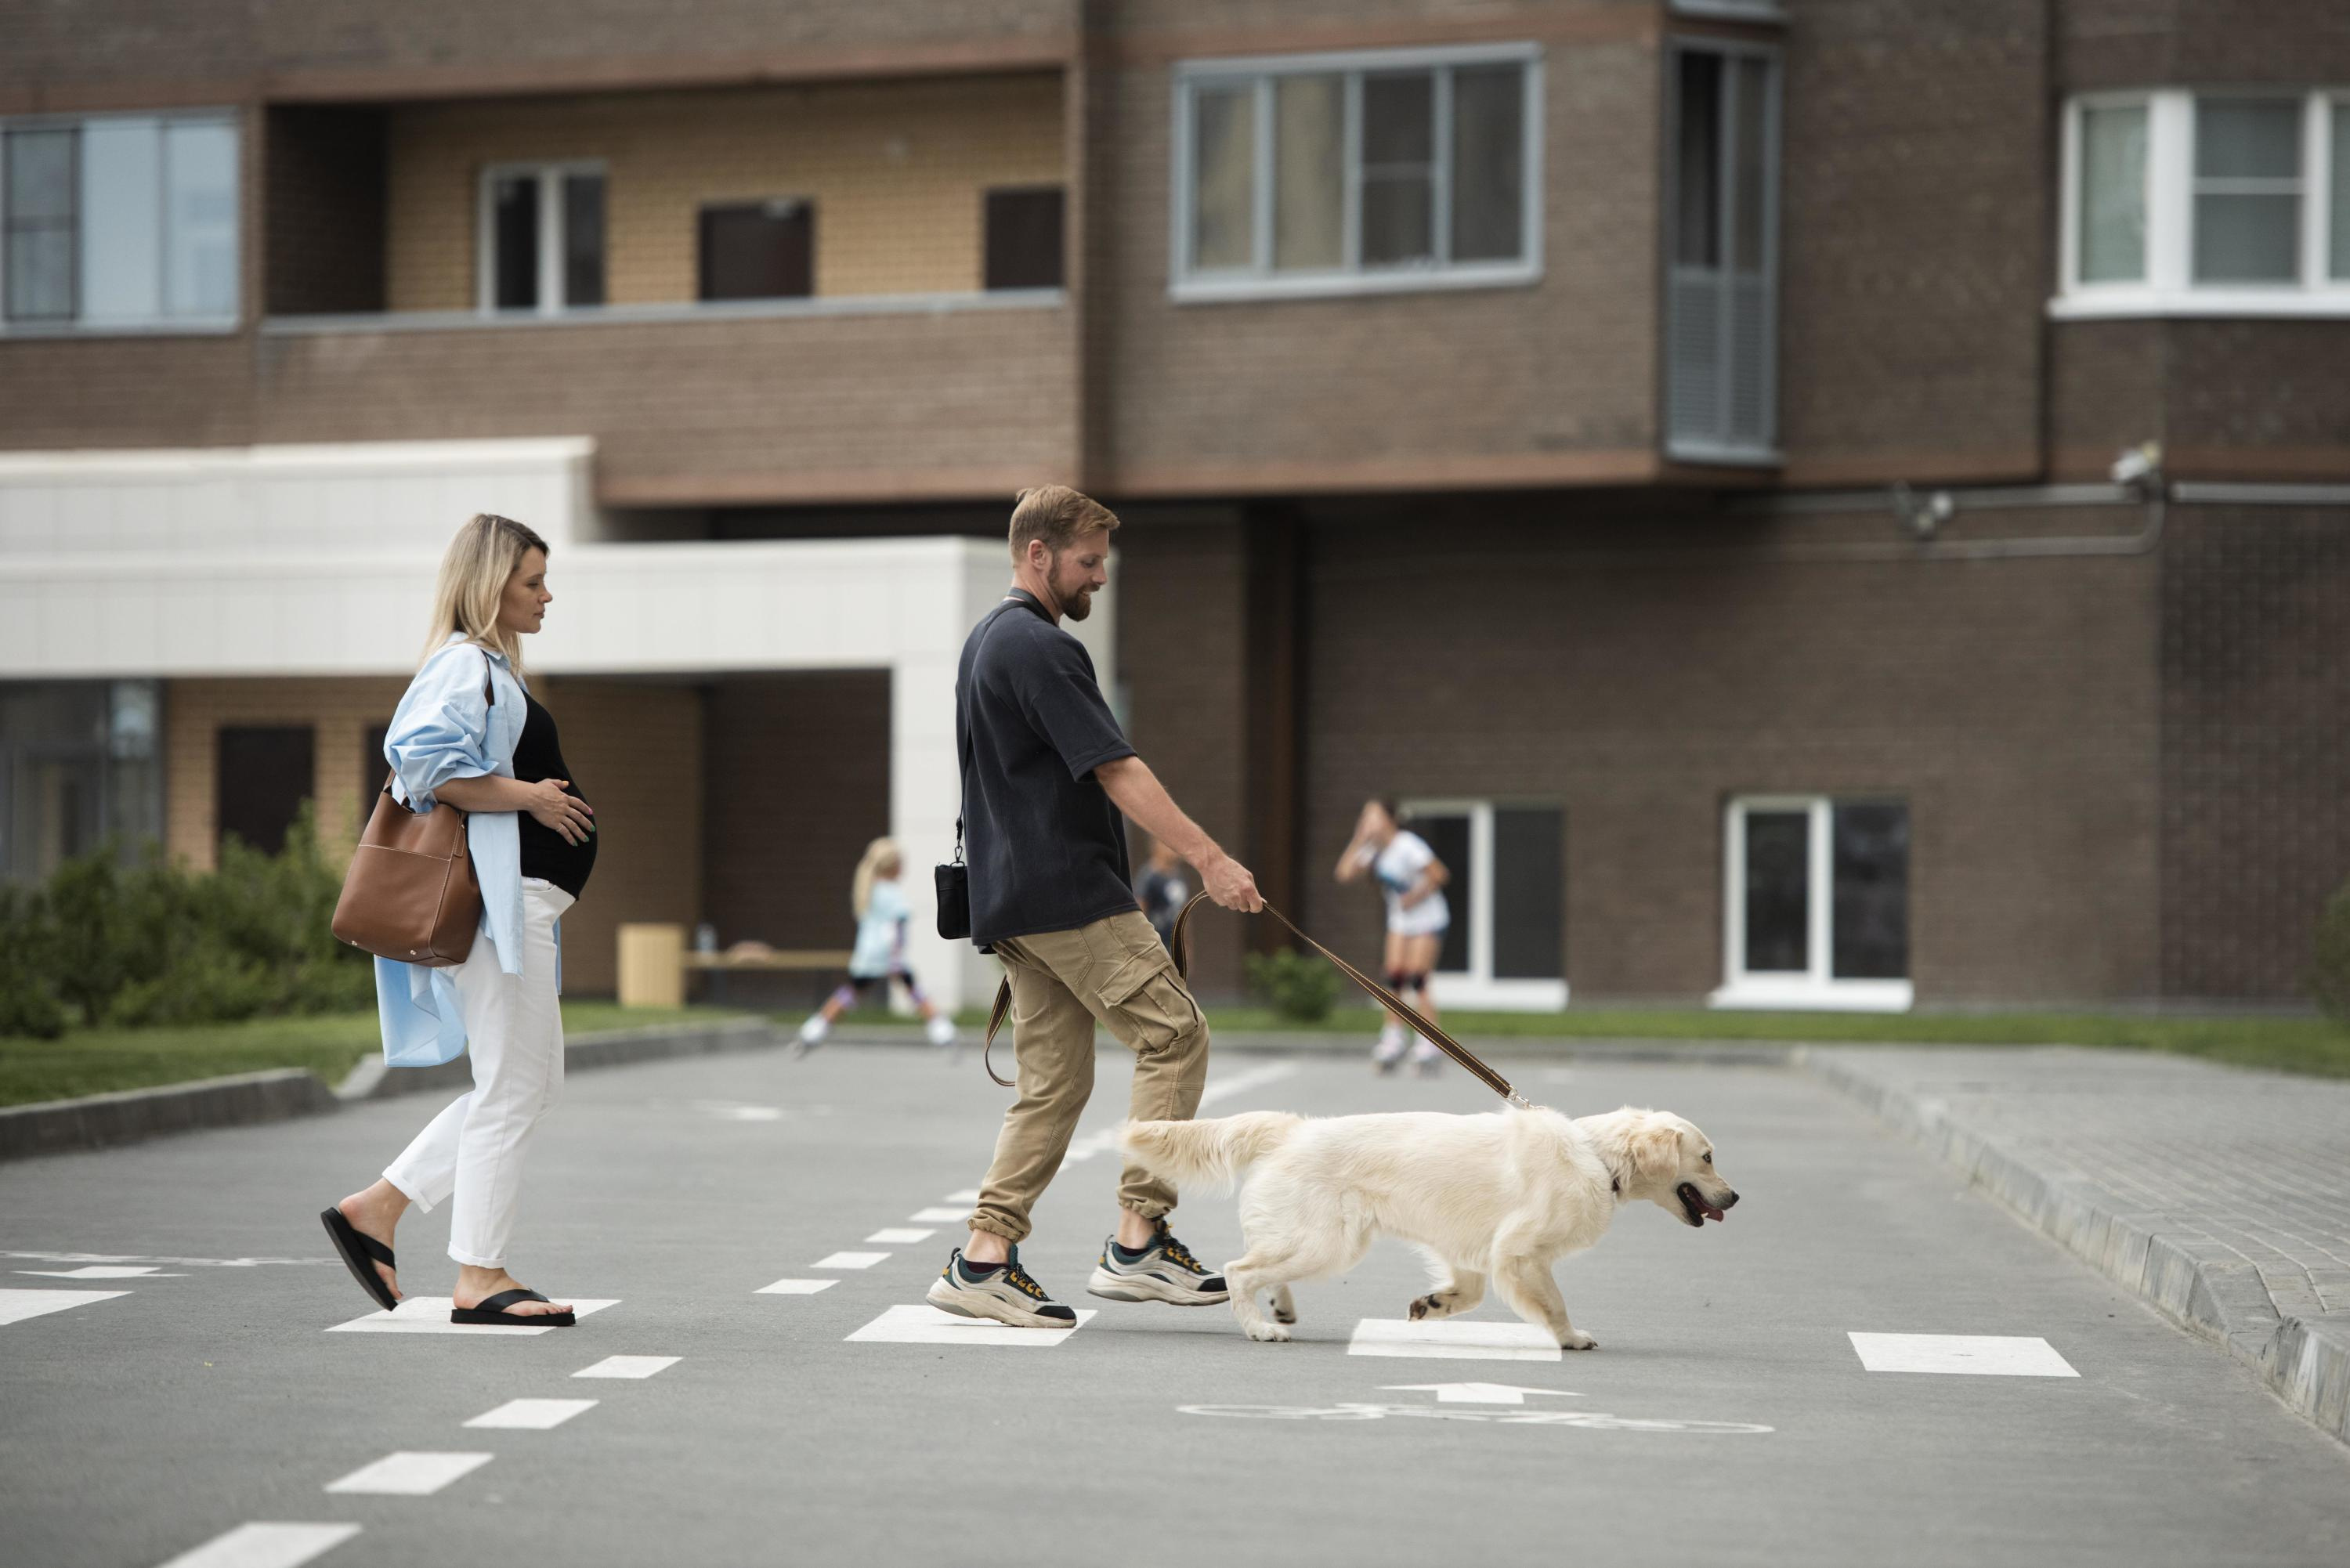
{"type": "Point", "coordinates": [1815, 988]}
{"type": "Point", "coordinates": [2169, 287]}
{"type": "Point", "coordinates": [550, 176]}
{"type": "Point", "coordinates": [162, 326]}
{"type": "Point", "coordinates": [1260, 280]}
{"type": "Point", "coordinates": [1476, 985]}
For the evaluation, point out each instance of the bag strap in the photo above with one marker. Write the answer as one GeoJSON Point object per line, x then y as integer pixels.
{"type": "Point", "coordinates": [1179, 943]}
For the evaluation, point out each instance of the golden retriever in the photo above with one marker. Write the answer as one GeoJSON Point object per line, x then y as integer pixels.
{"type": "Point", "coordinates": [1499, 1197]}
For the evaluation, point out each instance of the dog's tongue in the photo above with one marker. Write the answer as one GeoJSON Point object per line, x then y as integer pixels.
{"type": "Point", "coordinates": [1710, 1210]}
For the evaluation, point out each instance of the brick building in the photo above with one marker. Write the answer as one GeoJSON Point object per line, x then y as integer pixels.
{"type": "Point", "coordinates": [1670, 443]}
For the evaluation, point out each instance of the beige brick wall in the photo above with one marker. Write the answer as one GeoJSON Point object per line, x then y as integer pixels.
{"type": "Point", "coordinates": [340, 712]}
{"type": "Point", "coordinates": [895, 169]}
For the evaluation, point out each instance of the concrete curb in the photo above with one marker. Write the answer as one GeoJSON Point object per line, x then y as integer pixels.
{"type": "Point", "coordinates": [248, 1099]}
{"type": "Point", "coordinates": [100, 1121]}
{"type": "Point", "coordinates": [371, 1080]}
{"type": "Point", "coordinates": [2201, 1286]}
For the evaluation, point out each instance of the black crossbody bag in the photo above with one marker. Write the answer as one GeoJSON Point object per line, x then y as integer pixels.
{"type": "Point", "coordinates": [954, 893]}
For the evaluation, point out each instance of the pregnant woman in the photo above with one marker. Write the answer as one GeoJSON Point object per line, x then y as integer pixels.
{"type": "Point", "coordinates": [469, 734]}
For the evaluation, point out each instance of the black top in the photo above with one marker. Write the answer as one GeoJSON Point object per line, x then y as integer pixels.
{"type": "Point", "coordinates": [539, 756]}
{"type": "Point", "coordinates": [1047, 850]}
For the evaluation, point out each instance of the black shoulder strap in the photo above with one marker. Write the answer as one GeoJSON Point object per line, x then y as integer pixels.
{"type": "Point", "coordinates": [963, 742]}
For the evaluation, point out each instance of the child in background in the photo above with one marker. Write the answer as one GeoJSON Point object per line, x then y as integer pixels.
{"type": "Point", "coordinates": [880, 953]}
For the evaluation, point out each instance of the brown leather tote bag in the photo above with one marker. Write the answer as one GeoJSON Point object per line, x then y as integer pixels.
{"type": "Point", "coordinates": [410, 895]}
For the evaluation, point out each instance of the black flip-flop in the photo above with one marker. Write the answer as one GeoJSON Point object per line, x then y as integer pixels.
{"type": "Point", "coordinates": [492, 1309]}
{"type": "Point", "coordinates": [360, 1254]}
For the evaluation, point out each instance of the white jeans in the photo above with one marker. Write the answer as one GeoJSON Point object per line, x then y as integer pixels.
{"type": "Point", "coordinates": [514, 1031]}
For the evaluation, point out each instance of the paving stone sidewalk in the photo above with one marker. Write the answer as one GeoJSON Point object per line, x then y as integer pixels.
{"type": "Point", "coordinates": [2222, 1196]}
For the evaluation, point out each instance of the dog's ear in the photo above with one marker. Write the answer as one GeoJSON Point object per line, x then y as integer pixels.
{"type": "Point", "coordinates": [1656, 1149]}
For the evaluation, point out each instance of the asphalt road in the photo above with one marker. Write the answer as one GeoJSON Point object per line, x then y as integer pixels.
{"type": "Point", "coordinates": [1726, 1418]}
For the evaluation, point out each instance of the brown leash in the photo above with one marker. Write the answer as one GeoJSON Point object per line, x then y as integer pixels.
{"type": "Point", "coordinates": [1179, 943]}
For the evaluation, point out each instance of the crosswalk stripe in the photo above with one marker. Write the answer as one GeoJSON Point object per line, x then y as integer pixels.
{"type": "Point", "coordinates": [264, 1545]}
{"type": "Point", "coordinates": [409, 1473]}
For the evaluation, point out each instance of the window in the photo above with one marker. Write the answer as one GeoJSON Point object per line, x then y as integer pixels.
{"type": "Point", "coordinates": [1722, 388]}
{"type": "Point", "coordinates": [1331, 174]}
{"type": "Point", "coordinates": [2219, 204]}
{"type": "Point", "coordinates": [79, 765]}
{"type": "Point", "coordinates": [1817, 904]}
{"type": "Point", "coordinates": [264, 775]}
{"type": "Point", "coordinates": [1506, 945]}
{"type": "Point", "coordinates": [119, 223]}
{"type": "Point", "coordinates": [542, 237]}
{"type": "Point", "coordinates": [759, 250]}
{"type": "Point", "coordinates": [1024, 237]}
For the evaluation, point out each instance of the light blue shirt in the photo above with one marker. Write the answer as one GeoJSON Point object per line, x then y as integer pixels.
{"type": "Point", "coordinates": [882, 934]}
{"type": "Point", "coordinates": [446, 728]}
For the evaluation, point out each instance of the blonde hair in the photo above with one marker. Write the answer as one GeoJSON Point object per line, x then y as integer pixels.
{"type": "Point", "coordinates": [1058, 515]}
{"type": "Point", "coordinates": [879, 853]}
{"type": "Point", "coordinates": [481, 560]}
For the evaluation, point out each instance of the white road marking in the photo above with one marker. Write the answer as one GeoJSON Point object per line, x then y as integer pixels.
{"type": "Point", "coordinates": [409, 1474]}
{"type": "Point", "coordinates": [430, 1315]}
{"type": "Point", "coordinates": [171, 1263]}
{"type": "Point", "coordinates": [929, 1325]}
{"type": "Point", "coordinates": [1454, 1339]}
{"type": "Point", "coordinates": [629, 1366]}
{"type": "Point", "coordinates": [735, 1111]}
{"type": "Point", "coordinates": [1476, 1393]}
{"type": "Point", "coordinates": [532, 1415]}
{"type": "Point", "coordinates": [1221, 1089]}
{"type": "Point", "coordinates": [848, 1260]}
{"type": "Point", "coordinates": [1988, 1355]}
{"type": "Point", "coordinates": [266, 1546]}
{"type": "Point", "coordinates": [940, 1215]}
{"type": "Point", "coordinates": [796, 1287]}
{"type": "Point", "coordinates": [16, 1306]}
{"type": "Point", "coordinates": [968, 1195]}
{"type": "Point", "coordinates": [898, 1235]}
{"type": "Point", "coordinates": [104, 1271]}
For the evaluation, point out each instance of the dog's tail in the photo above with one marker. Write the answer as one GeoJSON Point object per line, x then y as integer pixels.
{"type": "Point", "coordinates": [1210, 1151]}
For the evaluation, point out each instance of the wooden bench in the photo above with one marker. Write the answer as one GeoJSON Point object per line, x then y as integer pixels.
{"type": "Point", "coordinates": [655, 961]}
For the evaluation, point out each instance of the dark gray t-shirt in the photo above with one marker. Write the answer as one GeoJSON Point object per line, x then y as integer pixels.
{"type": "Point", "coordinates": [1047, 848]}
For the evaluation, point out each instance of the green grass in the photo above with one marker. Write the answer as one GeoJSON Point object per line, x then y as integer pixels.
{"type": "Point", "coordinates": [2313, 1046]}
{"type": "Point", "coordinates": [98, 1060]}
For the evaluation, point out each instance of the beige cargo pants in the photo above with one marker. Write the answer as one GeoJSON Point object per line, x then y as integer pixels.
{"type": "Point", "coordinates": [1117, 972]}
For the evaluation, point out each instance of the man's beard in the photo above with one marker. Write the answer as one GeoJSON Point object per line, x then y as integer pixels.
{"type": "Point", "coordinates": [1078, 606]}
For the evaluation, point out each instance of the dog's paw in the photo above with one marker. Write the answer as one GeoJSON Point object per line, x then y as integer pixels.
{"type": "Point", "coordinates": [1283, 1314]}
{"type": "Point", "coordinates": [1268, 1333]}
{"type": "Point", "coordinates": [1578, 1341]}
{"type": "Point", "coordinates": [1433, 1305]}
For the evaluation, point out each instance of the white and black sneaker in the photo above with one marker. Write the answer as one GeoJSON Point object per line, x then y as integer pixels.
{"type": "Point", "coordinates": [1003, 1291]}
{"type": "Point", "coordinates": [1164, 1271]}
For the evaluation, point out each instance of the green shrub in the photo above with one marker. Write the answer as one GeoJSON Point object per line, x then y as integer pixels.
{"type": "Point", "coordinates": [148, 941]}
{"type": "Point", "coordinates": [28, 1003]}
{"type": "Point", "coordinates": [2329, 975]}
{"type": "Point", "coordinates": [1301, 989]}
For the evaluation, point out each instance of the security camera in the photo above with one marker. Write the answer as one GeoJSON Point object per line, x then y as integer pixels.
{"type": "Point", "coordinates": [1923, 518]}
{"type": "Point", "coordinates": [2138, 465]}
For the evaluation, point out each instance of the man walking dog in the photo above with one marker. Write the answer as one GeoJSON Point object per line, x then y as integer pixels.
{"type": "Point", "coordinates": [1046, 773]}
